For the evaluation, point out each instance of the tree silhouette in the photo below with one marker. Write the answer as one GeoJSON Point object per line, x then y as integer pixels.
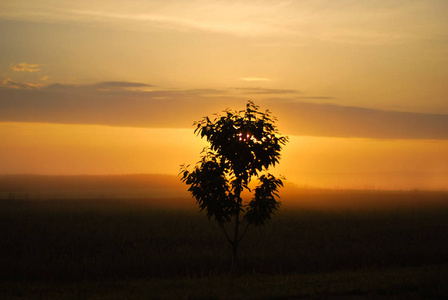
{"type": "Point", "coordinates": [243, 145]}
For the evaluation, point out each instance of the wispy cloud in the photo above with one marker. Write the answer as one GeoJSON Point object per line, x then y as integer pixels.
{"type": "Point", "coordinates": [316, 98]}
{"type": "Point", "coordinates": [104, 86]}
{"type": "Point", "coordinates": [122, 85]}
{"type": "Point", "coordinates": [344, 21]}
{"type": "Point", "coordinates": [263, 91]}
{"type": "Point", "coordinates": [121, 106]}
{"type": "Point", "coordinates": [178, 108]}
{"type": "Point", "coordinates": [331, 120]}
{"type": "Point", "coordinates": [25, 67]}
{"type": "Point", "coordinates": [250, 79]}
{"type": "Point", "coordinates": [211, 16]}
{"type": "Point", "coordinates": [8, 83]}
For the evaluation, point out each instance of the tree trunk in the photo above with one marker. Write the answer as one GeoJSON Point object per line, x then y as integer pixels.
{"type": "Point", "coordinates": [234, 265]}
{"type": "Point", "coordinates": [235, 242]}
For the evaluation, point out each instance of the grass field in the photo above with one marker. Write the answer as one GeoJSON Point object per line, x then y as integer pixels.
{"type": "Point", "coordinates": [427, 282]}
{"type": "Point", "coordinates": [116, 249]}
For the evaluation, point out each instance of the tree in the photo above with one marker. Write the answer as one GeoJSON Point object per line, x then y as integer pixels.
{"type": "Point", "coordinates": [243, 145]}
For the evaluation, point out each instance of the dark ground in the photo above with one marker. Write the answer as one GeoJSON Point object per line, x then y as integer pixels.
{"type": "Point", "coordinates": [96, 249]}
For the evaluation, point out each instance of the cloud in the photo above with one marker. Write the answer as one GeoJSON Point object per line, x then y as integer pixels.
{"type": "Point", "coordinates": [317, 97]}
{"type": "Point", "coordinates": [310, 119]}
{"type": "Point", "coordinates": [8, 83]}
{"type": "Point", "coordinates": [120, 84]}
{"type": "Point", "coordinates": [262, 91]}
{"type": "Point", "coordinates": [236, 18]}
{"type": "Point", "coordinates": [250, 79]}
{"type": "Point", "coordinates": [24, 67]}
{"type": "Point", "coordinates": [132, 89]}
{"type": "Point", "coordinates": [92, 104]}
{"type": "Point", "coordinates": [344, 21]}
{"type": "Point", "coordinates": [177, 108]}
{"type": "Point", "coordinates": [105, 86]}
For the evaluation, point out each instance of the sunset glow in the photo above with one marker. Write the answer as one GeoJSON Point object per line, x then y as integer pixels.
{"type": "Point", "coordinates": [113, 87]}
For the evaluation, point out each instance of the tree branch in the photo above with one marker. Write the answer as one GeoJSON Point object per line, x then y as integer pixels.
{"type": "Point", "coordinates": [225, 232]}
{"type": "Point", "coordinates": [244, 232]}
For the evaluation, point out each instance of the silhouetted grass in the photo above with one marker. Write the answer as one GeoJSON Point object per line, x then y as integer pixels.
{"type": "Point", "coordinates": [44, 244]}
{"type": "Point", "coordinates": [80, 240]}
{"type": "Point", "coordinates": [427, 282]}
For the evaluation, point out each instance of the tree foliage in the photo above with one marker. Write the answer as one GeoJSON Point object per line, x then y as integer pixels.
{"type": "Point", "coordinates": [242, 146]}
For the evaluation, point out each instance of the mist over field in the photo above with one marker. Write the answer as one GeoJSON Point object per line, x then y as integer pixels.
{"type": "Point", "coordinates": [168, 191]}
{"type": "Point", "coordinates": [105, 236]}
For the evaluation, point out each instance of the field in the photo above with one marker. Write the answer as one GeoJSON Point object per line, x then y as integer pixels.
{"type": "Point", "coordinates": [118, 249]}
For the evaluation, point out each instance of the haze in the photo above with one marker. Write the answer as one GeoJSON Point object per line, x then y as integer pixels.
{"type": "Point", "coordinates": [112, 87]}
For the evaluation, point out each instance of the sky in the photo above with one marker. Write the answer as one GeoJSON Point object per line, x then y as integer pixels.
{"type": "Point", "coordinates": [113, 87]}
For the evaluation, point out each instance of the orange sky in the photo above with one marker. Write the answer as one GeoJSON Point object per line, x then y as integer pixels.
{"type": "Point", "coordinates": [112, 87]}
{"type": "Point", "coordinates": [38, 148]}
